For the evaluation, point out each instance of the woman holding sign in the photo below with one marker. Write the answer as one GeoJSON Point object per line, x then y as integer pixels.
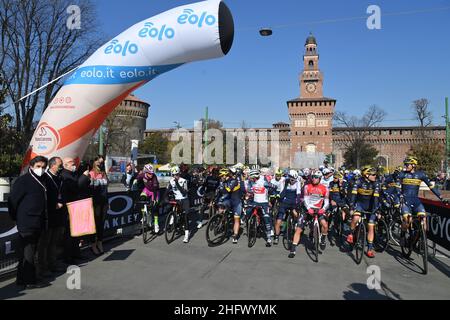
{"type": "Point", "coordinates": [75, 187]}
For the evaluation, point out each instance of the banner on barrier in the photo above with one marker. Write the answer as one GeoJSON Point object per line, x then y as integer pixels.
{"type": "Point", "coordinates": [9, 235]}
{"type": "Point", "coordinates": [438, 222]}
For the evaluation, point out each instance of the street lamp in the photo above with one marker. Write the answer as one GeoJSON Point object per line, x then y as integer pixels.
{"type": "Point", "coordinates": [265, 32]}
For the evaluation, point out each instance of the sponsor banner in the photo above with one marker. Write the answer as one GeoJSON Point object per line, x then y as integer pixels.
{"type": "Point", "coordinates": [9, 235]}
{"type": "Point", "coordinates": [122, 212]}
{"type": "Point", "coordinates": [438, 222]}
{"type": "Point", "coordinates": [116, 74]}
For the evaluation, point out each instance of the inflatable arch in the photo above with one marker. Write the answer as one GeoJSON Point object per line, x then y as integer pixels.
{"type": "Point", "coordinates": [193, 32]}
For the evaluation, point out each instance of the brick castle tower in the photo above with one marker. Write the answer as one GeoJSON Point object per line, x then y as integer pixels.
{"type": "Point", "coordinates": [311, 114]}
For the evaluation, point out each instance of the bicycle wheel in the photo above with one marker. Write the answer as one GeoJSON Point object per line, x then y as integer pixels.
{"type": "Point", "coordinates": [289, 233]}
{"type": "Point", "coordinates": [360, 242]}
{"type": "Point", "coordinates": [395, 229]}
{"type": "Point", "coordinates": [337, 225]}
{"type": "Point", "coordinates": [274, 212]}
{"type": "Point", "coordinates": [423, 248]}
{"type": "Point", "coordinates": [252, 231]}
{"type": "Point", "coordinates": [144, 226]}
{"type": "Point", "coordinates": [171, 226]}
{"type": "Point", "coordinates": [407, 247]}
{"type": "Point", "coordinates": [216, 229]}
{"type": "Point", "coordinates": [381, 236]}
{"type": "Point", "coordinates": [316, 235]}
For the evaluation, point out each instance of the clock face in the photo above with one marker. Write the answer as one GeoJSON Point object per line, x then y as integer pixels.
{"type": "Point", "coordinates": [311, 87]}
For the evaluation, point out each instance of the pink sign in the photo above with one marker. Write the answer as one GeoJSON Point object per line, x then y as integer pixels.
{"type": "Point", "coordinates": [81, 215]}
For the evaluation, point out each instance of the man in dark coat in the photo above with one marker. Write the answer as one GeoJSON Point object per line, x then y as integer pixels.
{"type": "Point", "coordinates": [28, 207]}
{"type": "Point", "coordinates": [50, 239]}
{"type": "Point", "coordinates": [75, 186]}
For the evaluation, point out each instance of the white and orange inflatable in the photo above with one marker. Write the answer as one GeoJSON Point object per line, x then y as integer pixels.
{"type": "Point", "coordinates": [198, 31]}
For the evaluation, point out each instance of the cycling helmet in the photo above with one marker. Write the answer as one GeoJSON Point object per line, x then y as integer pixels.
{"type": "Point", "coordinates": [233, 170]}
{"type": "Point", "coordinates": [411, 160]}
{"type": "Point", "coordinates": [369, 171]}
{"type": "Point", "coordinates": [148, 168]}
{"type": "Point", "coordinates": [279, 173]}
{"type": "Point", "coordinates": [254, 174]}
{"type": "Point", "coordinates": [239, 166]}
{"type": "Point", "coordinates": [317, 174]}
{"type": "Point", "coordinates": [224, 172]}
{"type": "Point", "coordinates": [326, 171]}
{"type": "Point", "coordinates": [321, 168]}
{"type": "Point", "coordinates": [306, 172]}
{"type": "Point", "coordinates": [333, 170]}
{"type": "Point", "coordinates": [301, 173]}
{"type": "Point", "coordinates": [175, 170]}
{"type": "Point", "coordinates": [293, 174]}
{"type": "Point", "coordinates": [357, 172]}
{"type": "Point", "coordinates": [338, 175]}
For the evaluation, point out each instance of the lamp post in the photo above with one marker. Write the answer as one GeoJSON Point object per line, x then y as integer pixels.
{"type": "Point", "coordinates": [447, 138]}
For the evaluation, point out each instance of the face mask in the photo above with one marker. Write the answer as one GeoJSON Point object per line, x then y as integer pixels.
{"type": "Point", "coordinates": [60, 169]}
{"type": "Point", "coordinates": [38, 172]}
{"type": "Point", "coordinates": [74, 168]}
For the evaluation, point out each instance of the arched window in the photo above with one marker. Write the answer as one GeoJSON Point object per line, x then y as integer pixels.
{"type": "Point", "coordinates": [311, 63]}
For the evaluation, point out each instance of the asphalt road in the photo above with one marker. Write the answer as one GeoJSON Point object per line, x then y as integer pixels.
{"type": "Point", "coordinates": [134, 270]}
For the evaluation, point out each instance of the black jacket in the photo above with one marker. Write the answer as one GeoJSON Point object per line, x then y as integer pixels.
{"type": "Point", "coordinates": [74, 187]}
{"type": "Point", "coordinates": [56, 217]}
{"type": "Point", "coordinates": [28, 203]}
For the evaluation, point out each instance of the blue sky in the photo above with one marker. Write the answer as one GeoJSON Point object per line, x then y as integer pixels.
{"type": "Point", "coordinates": [407, 59]}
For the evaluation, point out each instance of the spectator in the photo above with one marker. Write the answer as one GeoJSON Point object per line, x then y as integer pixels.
{"type": "Point", "coordinates": [75, 186]}
{"type": "Point", "coordinates": [28, 207]}
{"type": "Point", "coordinates": [99, 191]}
{"type": "Point", "coordinates": [440, 181]}
{"type": "Point", "coordinates": [50, 238]}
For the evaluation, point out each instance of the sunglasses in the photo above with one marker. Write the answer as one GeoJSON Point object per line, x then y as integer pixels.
{"type": "Point", "coordinates": [316, 177]}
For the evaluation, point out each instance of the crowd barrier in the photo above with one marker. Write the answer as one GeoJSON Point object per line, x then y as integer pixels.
{"type": "Point", "coordinates": [122, 213]}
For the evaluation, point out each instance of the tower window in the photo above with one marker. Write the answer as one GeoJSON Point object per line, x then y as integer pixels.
{"type": "Point", "coordinates": [311, 63]}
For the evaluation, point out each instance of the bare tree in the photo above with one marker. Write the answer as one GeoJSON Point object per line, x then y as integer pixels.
{"type": "Point", "coordinates": [117, 137]}
{"type": "Point", "coordinates": [359, 129]}
{"type": "Point", "coordinates": [422, 113]}
{"type": "Point", "coordinates": [37, 46]}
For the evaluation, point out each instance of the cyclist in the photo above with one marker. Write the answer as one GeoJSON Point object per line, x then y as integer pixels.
{"type": "Point", "coordinates": [410, 180]}
{"type": "Point", "coordinates": [277, 184]}
{"type": "Point", "coordinates": [210, 186]}
{"type": "Point", "coordinates": [327, 177]}
{"type": "Point", "coordinates": [150, 190]}
{"type": "Point", "coordinates": [289, 199]}
{"type": "Point", "coordinates": [365, 197]}
{"type": "Point", "coordinates": [391, 188]}
{"type": "Point", "coordinates": [337, 189]}
{"type": "Point", "coordinates": [258, 189]}
{"type": "Point", "coordinates": [179, 187]}
{"type": "Point", "coordinates": [316, 196]}
{"type": "Point", "coordinates": [229, 197]}
{"type": "Point", "coordinates": [352, 178]}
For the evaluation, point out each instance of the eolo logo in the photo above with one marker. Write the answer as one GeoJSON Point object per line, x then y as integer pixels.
{"type": "Point", "coordinates": [190, 17]}
{"type": "Point", "coordinates": [156, 33]}
{"type": "Point", "coordinates": [117, 48]}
